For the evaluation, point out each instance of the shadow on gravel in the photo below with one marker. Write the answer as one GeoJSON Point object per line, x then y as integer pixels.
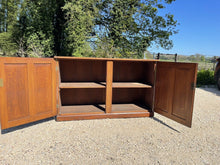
{"type": "Point", "coordinates": [161, 122]}
{"type": "Point", "coordinates": [212, 90]}
{"type": "Point", "coordinates": [25, 125]}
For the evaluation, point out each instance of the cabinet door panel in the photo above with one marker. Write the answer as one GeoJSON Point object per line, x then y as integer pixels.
{"type": "Point", "coordinates": [17, 91]}
{"type": "Point", "coordinates": [43, 94]}
{"type": "Point", "coordinates": [174, 92]}
{"type": "Point", "coordinates": [28, 92]}
{"type": "Point", "coordinates": [164, 89]}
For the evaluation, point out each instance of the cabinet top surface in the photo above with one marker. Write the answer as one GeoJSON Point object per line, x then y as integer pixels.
{"type": "Point", "coordinates": [102, 59]}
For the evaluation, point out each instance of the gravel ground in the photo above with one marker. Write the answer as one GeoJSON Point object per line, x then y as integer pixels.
{"type": "Point", "coordinates": [155, 140]}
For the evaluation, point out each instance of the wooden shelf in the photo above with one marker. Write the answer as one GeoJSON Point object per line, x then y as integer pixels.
{"type": "Point", "coordinates": [103, 84]}
{"type": "Point", "coordinates": [81, 85]}
{"type": "Point", "coordinates": [85, 112]}
{"type": "Point", "coordinates": [130, 85]}
{"type": "Point", "coordinates": [81, 109]}
{"type": "Point", "coordinates": [126, 108]}
{"type": "Point", "coordinates": [116, 108]}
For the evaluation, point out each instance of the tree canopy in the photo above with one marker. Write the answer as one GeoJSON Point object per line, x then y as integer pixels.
{"type": "Point", "coordinates": [100, 28]}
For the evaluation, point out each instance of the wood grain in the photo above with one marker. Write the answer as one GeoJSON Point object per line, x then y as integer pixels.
{"type": "Point", "coordinates": [82, 96]}
{"type": "Point", "coordinates": [81, 109]}
{"type": "Point", "coordinates": [16, 86]}
{"type": "Point", "coordinates": [109, 79]}
{"type": "Point", "coordinates": [61, 117]}
{"type": "Point", "coordinates": [42, 84]}
{"type": "Point", "coordinates": [29, 93]}
{"type": "Point", "coordinates": [120, 108]}
{"type": "Point", "coordinates": [130, 85]}
{"type": "Point", "coordinates": [174, 94]}
{"type": "Point", "coordinates": [91, 88]}
{"type": "Point", "coordinates": [82, 85]}
{"type": "Point", "coordinates": [82, 71]}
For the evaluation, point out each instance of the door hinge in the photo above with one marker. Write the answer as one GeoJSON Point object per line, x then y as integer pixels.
{"type": "Point", "coordinates": [1, 82]}
{"type": "Point", "coordinates": [57, 68]}
{"type": "Point", "coordinates": [193, 86]}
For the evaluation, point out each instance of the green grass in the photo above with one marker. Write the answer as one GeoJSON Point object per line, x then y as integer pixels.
{"type": "Point", "coordinates": [201, 65]}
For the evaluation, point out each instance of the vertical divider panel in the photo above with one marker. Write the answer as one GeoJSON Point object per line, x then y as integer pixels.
{"type": "Point", "coordinates": [109, 79]}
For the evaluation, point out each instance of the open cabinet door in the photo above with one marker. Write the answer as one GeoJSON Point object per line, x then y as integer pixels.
{"type": "Point", "coordinates": [27, 90]}
{"type": "Point", "coordinates": [174, 91]}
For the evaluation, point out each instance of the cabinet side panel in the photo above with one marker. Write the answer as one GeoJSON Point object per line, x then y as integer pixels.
{"type": "Point", "coordinates": [16, 88]}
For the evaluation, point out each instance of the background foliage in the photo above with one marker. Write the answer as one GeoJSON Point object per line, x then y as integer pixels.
{"type": "Point", "coordinates": [205, 77]}
{"type": "Point", "coordinates": [101, 28]}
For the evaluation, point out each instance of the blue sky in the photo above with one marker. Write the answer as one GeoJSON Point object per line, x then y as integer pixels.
{"type": "Point", "coordinates": [199, 29]}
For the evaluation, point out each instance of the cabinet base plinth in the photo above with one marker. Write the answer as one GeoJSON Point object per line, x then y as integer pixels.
{"type": "Point", "coordinates": [69, 117]}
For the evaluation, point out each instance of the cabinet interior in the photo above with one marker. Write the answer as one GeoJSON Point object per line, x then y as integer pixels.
{"type": "Point", "coordinates": [137, 81]}
{"type": "Point", "coordinates": [82, 87]}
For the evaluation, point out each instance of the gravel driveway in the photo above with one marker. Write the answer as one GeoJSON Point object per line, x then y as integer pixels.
{"type": "Point", "coordinates": [155, 140]}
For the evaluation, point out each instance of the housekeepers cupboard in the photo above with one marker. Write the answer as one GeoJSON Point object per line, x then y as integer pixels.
{"type": "Point", "coordinates": [71, 88]}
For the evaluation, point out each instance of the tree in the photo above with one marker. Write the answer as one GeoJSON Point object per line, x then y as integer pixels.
{"type": "Point", "coordinates": [8, 14]}
{"type": "Point", "coordinates": [80, 16]}
{"type": "Point", "coordinates": [35, 28]}
{"type": "Point", "coordinates": [59, 27]}
{"type": "Point", "coordinates": [203, 58]}
{"type": "Point", "coordinates": [132, 26]}
{"type": "Point", "coordinates": [104, 28]}
{"type": "Point", "coordinates": [8, 17]}
{"type": "Point", "coordinates": [116, 28]}
{"type": "Point", "coordinates": [7, 46]}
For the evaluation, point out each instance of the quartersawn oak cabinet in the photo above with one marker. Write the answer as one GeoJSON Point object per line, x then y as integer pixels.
{"type": "Point", "coordinates": [71, 88]}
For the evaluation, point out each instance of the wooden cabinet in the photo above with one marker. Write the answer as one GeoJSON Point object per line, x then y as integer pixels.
{"type": "Point", "coordinates": [105, 88]}
{"type": "Point", "coordinates": [92, 88]}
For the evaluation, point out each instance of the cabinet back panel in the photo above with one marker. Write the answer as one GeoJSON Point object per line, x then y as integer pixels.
{"type": "Point", "coordinates": [133, 95]}
{"type": "Point", "coordinates": [125, 71]}
{"type": "Point", "coordinates": [82, 96]}
{"type": "Point", "coordinates": [82, 70]}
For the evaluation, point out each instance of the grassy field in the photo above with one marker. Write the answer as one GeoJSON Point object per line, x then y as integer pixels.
{"type": "Point", "coordinates": [207, 64]}
{"type": "Point", "coordinates": [201, 65]}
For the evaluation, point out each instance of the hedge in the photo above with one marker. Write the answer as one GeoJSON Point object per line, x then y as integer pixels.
{"type": "Point", "coordinates": [205, 77]}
